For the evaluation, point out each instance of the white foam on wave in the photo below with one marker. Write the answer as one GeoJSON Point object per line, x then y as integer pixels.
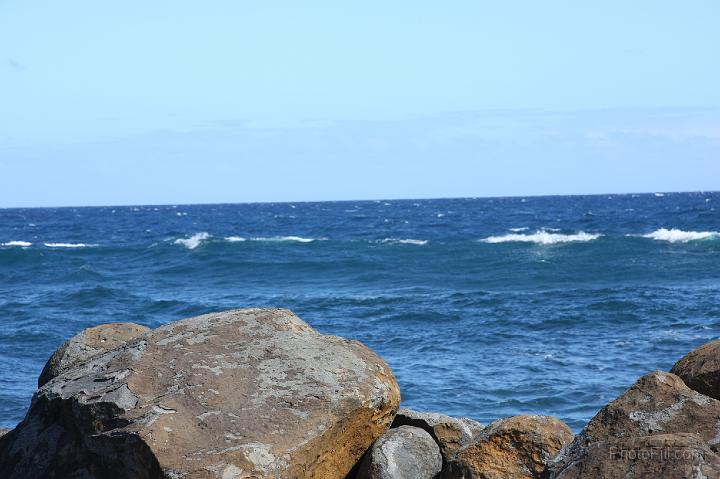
{"type": "Point", "coordinates": [518, 230]}
{"type": "Point", "coordinates": [404, 241]}
{"type": "Point", "coordinates": [234, 239]}
{"type": "Point", "coordinates": [20, 244]}
{"type": "Point", "coordinates": [297, 239]}
{"type": "Point", "coordinates": [69, 245]}
{"type": "Point", "coordinates": [679, 236]}
{"type": "Point", "coordinates": [194, 241]}
{"type": "Point", "coordinates": [542, 237]}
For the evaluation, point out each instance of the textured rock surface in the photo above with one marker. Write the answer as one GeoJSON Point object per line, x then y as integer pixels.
{"type": "Point", "coordinates": [402, 453]}
{"type": "Point", "coordinates": [511, 448]}
{"type": "Point", "coordinates": [239, 394]}
{"type": "Point", "coordinates": [658, 403]}
{"type": "Point", "coordinates": [667, 456]}
{"type": "Point", "coordinates": [86, 344]}
{"type": "Point", "coordinates": [449, 433]}
{"type": "Point", "coordinates": [4, 431]}
{"type": "Point", "coordinates": [700, 369]}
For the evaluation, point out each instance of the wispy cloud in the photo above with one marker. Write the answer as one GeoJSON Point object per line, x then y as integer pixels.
{"type": "Point", "coordinates": [16, 65]}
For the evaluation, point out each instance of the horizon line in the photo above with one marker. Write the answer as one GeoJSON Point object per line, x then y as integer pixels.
{"type": "Point", "coordinates": [130, 205]}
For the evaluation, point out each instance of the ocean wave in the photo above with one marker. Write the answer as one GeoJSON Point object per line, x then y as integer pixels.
{"type": "Point", "coordinates": [542, 237]}
{"type": "Point", "coordinates": [404, 241]}
{"type": "Point", "coordinates": [679, 236]}
{"type": "Point", "coordinates": [69, 245]}
{"type": "Point", "coordinates": [234, 239]}
{"type": "Point", "coordinates": [194, 241]}
{"type": "Point", "coordinates": [518, 230]}
{"type": "Point", "coordinates": [297, 239]}
{"type": "Point", "coordinates": [21, 244]}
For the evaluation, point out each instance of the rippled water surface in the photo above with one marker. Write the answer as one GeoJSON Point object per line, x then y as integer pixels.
{"type": "Point", "coordinates": [483, 307]}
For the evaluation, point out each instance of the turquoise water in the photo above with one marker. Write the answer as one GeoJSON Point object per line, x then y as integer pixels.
{"type": "Point", "coordinates": [483, 307]}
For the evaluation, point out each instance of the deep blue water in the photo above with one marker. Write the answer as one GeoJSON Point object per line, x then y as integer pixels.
{"type": "Point", "coordinates": [473, 320]}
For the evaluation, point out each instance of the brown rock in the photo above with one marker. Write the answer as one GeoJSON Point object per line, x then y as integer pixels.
{"type": "Point", "coordinates": [86, 344]}
{"type": "Point", "coordinates": [658, 403]}
{"type": "Point", "coordinates": [700, 369]}
{"type": "Point", "coordinates": [667, 456]}
{"type": "Point", "coordinates": [517, 447]}
{"type": "Point", "coordinates": [240, 394]}
{"type": "Point", "coordinates": [450, 433]}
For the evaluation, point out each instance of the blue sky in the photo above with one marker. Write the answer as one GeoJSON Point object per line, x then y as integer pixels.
{"type": "Point", "coordinates": [227, 101]}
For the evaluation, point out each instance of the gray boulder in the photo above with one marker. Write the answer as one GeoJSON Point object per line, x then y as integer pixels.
{"type": "Point", "coordinates": [450, 433]}
{"type": "Point", "coordinates": [240, 394]}
{"type": "Point", "coordinates": [402, 453]}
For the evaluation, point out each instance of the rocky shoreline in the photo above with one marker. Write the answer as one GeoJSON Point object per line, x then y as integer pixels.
{"type": "Point", "coordinates": [258, 393]}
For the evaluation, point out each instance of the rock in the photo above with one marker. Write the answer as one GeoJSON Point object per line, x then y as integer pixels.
{"type": "Point", "coordinates": [240, 394]}
{"type": "Point", "coordinates": [700, 369]}
{"type": "Point", "coordinates": [86, 344]}
{"type": "Point", "coordinates": [511, 448]}
{"type": "Point", "coordinates": [4, 431]}
{"type": "Point", "coordinates": [668, 456]}
{"type": "Point", "coordinates": [449, 433]}
{"type": "Point", "coordinates": [405, 452]}
{"type": "Point", "coordinates": [658, 403]}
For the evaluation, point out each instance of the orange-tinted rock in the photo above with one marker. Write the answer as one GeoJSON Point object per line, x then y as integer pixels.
{"type": "Point", "coordinates": [700, 369]}
{"type": "Point", "coordinates": [87, 344]}
{"type": "Point", "coordinates": [240, 394]}
{"type": "Point", "coordinates": [517, 447]}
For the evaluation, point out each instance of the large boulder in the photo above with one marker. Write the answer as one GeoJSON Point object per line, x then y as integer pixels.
{"type": "Point", "coordinates": [405, 452]}
{"type": "Point", "coordinates": [450, 433]}
{"type": "Point", "coordinates": [659, 403]}
{"type": "Point", "coordinates": [700, 369]}
{"type": "Point", "coordinates": [240, 394]}
{"type": "Point", "coordinates": [87, 344]}
{"type": "Point", "coordinates": [517, 447]}
{"type": "Point", "coordinates": [667, 456]}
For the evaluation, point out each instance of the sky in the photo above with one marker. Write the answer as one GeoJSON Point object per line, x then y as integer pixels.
{"type": "Point", "coordinates": [141, 102]}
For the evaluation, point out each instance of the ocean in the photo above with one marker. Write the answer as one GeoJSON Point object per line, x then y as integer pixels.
{"type": "Point", "coordinates": [483, 307]}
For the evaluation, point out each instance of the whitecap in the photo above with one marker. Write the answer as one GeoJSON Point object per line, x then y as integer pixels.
{"type": "Point", "coordinates": [659, 195]}
{"type": "Point", "coordinates": [675, 235]}
{"type": "Point", "coordinates": [542, 237]}
{"type": "Point", "coordinates": [298, 239]}
{"type": "Point", "coordinates": [69, 245]}
{"type": "Point", "coordinates": [404, 241]}
{"type": "Point", "coordinates": [440, 215]}
{"type": "Point", "coordinates": [234, 239]}
{"type": "Point", "coordinates": [194, 241]}
{"type": "Point", "coordinates": [518, 230]}
{"type": "Point", "coordinates": [21, 244]}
